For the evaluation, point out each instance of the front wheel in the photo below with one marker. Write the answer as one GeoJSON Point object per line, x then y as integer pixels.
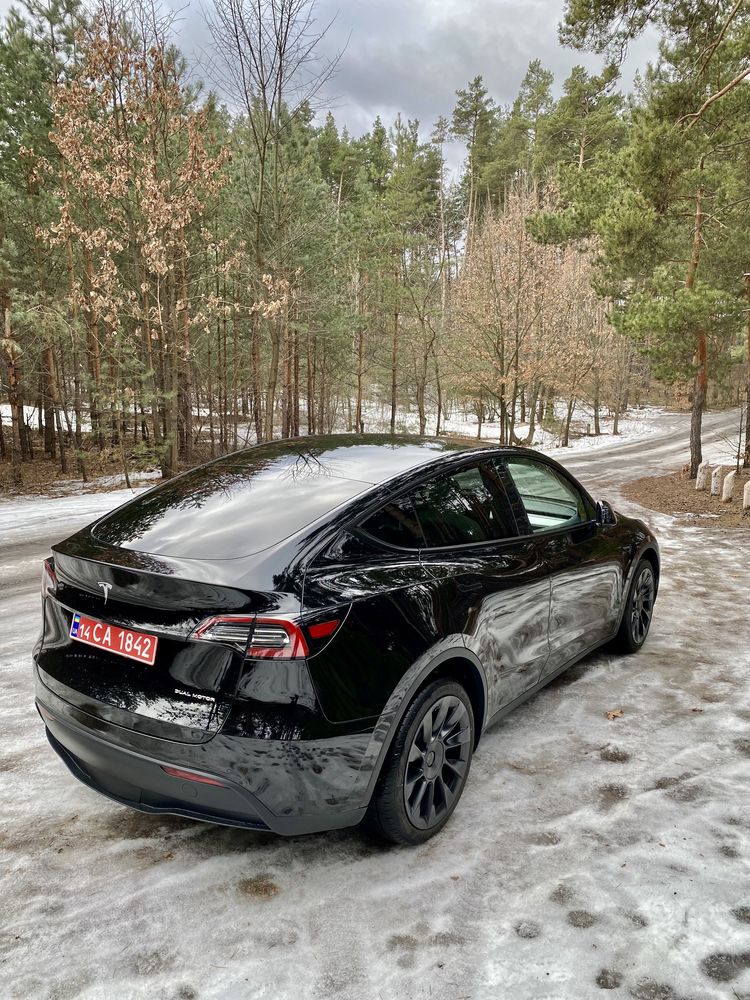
{"type": "Point", "coordinates": [427, 766]}
{"type": "Point", "coordinates": [639, 609]}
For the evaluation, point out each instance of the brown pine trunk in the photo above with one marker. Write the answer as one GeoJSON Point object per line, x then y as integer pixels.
{"type": "Point", "coordinates": [359, 425]}
{"type": "Point", "coordinates": [47, 403]}
{"type": "Point", "coordinates": [255, 377]}
{"type": "Point", "coordinates": [17, 439]}
{"type": "Point", "coordinates": [322, 385]}
{"type": "Point", "coordinates": [700, 386]}
{"type": "Point", "coordinates": [394, 368]}
{"type": "Point", "coordinates": [700, 383]}
{"type": "Point", "coordinates": [746, 460]}
{"type": "Point", "coordinates": [53, 392]}
{"type": "Point", "coordinates": [310, 384]}
{"type": "Point", "coordinates": [295, 384]}
{"type": "Point", "coordinates": [358, 420]}
{"type": "Point", "coordinates": [286, 385]}
{"type": "Point", "coordinates": [235, 378]}
{"type": "Point", "coordinates": [170, 463]}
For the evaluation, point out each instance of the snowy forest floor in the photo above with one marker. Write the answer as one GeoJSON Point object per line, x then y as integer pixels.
{"type": "Point", "coordinates": [588, 857]}
{"type": "Point", "coordinates": [104, 468]}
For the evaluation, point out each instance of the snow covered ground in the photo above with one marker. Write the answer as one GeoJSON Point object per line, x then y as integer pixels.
{"type": "Point", "coordinates": [639, 423]}
{"type": "Point", "coordinates": [586, 855]}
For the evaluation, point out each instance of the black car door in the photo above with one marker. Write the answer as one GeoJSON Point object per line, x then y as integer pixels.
{"type": "Point", "coordinates": [585, 572]}
{"type": "Point", "coordinates": [492, 584]}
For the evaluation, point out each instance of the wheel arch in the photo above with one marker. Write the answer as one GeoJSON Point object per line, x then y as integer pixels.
{"type": "Point", "coordinates": [457, 663]}
{"type": "Point", "coordinates": [652, 556]}
{"type": "Point", "coordinates": [464, 671]}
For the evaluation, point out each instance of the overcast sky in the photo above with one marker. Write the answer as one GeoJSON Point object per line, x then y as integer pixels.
{"type": "Point", "coordinates": [412, 55]}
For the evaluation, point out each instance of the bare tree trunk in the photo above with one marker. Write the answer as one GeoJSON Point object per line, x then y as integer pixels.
{"type": "Point", "coordinates": [93, 353]}
{"type": "Point", "coordinates": [439, 391]}
{"type": "Point", "coordinates": [273, 377]}
{"type": "Point", "coordinates": [185, 371]}
{"type": "Point", "coordinates": [566, 426]}
{"type": "Point", "coordinates": [532, 411]}
{"type": "Point", "coordinates": [210, 400]}
{"type": "Point", "coordinates": [597, 406]}
{"type": "Point", "coordinates": [616, 422]}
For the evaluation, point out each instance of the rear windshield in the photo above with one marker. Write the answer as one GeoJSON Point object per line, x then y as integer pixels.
{"type": "Point", "coordinates": [241, 504]}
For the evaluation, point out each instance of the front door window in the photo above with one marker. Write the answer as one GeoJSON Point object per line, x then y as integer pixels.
{"type": "Point", "coordinates": [549, 499]}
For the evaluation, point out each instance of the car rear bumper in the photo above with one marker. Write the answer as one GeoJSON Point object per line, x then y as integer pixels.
{"type": "Point", "coordinates": [142, 783]}
{"type": "Point", "coordinates": [286, 787]}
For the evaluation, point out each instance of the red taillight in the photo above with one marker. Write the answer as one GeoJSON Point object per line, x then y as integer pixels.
{"type": "Point", "coordinates": [233, 629]}
{"type": "Point", "coordinates": [177, 772]}
{"type": "Point", "coordinates": [264, 637]}
{"type": "Point", "coordinates": [49, 578]}
{"type": "Point", "coordinates": [270, 638]}
{"type": "Point", "coordinates": [321, 630]}
{"type": "Point", "coordinates": [277, 639]}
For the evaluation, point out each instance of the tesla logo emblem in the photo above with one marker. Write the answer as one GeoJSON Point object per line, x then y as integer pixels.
{"type": "Point", "coordinates": [106, 587]}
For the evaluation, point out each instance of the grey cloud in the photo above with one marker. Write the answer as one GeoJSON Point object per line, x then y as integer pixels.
{"type": "Point", "coordinates": [411, 57]}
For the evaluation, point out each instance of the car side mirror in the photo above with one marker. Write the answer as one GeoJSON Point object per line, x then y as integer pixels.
{"type": "Point", "coordinates": [604, 513]}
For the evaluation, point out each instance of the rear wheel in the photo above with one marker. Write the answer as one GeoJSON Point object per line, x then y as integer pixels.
{"type": "Point", "coordinates": [639, 609]}
{"type": "Point", "coordinates": [427, 766]}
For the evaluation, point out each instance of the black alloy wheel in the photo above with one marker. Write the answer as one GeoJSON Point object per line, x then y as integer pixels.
{"type": "Point", "coordinates": [639, 610]}
{"type": "Point", "coordinates": [427, 766]}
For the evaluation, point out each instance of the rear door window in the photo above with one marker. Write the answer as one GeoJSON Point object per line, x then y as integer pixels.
{"type": "Point", "coordinates": [396, 524]}
{"type": "Point", "coordinates": [464, 507]}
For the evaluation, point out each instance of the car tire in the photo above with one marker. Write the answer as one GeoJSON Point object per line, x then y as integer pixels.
{"type": "Point", "coordinates": [427, 766]}
{"type": "Point", "coordinates": [639, 609]}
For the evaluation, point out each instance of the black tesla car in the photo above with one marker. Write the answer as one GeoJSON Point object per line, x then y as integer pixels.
{"type": "Point", "coordinates": [310, 633]}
